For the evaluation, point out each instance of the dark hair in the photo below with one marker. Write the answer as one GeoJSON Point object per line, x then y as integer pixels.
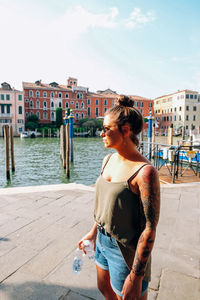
{"type": "Point", "coordinates": [124, 112]}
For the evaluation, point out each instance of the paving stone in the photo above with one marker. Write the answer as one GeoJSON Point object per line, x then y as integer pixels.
{"type": "Point", "coordinates": [178, 286]}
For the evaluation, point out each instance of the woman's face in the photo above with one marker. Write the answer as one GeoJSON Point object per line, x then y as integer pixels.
{"type": "Point", "coordinates": [111, 135]}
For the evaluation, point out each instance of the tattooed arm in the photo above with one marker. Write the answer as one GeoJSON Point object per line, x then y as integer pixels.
{"type": "Point", "coordinates": [149, 187]}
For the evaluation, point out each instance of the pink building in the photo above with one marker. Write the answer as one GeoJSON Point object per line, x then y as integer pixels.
{"type": "Point", "coordinates": [11, 109]}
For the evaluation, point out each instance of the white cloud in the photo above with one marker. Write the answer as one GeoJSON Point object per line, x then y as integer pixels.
{"type": "Point", "coordinates": [137, 18]}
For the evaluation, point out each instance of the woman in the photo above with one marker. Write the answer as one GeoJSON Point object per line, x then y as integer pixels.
{"type": "Point", "coordinates": [126, 211]}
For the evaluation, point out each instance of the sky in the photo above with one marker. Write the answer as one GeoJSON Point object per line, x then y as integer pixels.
{"type": "Point", "coordinates": [147, 48]}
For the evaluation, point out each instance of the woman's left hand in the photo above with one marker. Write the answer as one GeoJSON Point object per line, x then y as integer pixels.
{"type": "Point", "coordinates": [132, 287]}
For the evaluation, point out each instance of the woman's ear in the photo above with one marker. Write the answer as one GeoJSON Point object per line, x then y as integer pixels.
{"type": "Point", "coordinates": [126, 129]}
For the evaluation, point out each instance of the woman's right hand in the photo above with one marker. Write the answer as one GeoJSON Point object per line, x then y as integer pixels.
{"type": "Point", "coordinates": [91, 236]}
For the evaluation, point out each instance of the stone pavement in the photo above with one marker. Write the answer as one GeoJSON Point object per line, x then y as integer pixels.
{"type": "Point", "coordinates": [40, 227]}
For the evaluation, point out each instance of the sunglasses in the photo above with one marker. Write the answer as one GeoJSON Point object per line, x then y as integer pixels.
{"type": "Point", "coordinates": [105, 129]}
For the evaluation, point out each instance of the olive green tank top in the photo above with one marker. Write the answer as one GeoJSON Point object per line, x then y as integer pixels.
{"type": "Point", "coordinates": [120, 212]}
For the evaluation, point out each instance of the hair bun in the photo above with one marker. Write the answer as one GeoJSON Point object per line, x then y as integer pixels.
{"type": "Point", "coordinates": [125, 101]}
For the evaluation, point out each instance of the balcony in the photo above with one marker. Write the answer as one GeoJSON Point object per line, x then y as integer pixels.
{"type": "Point", "coordinates": [5, 115]}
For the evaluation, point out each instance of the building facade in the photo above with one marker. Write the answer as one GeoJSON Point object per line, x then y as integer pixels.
{"type": "Point", "coordinates": [11, 109]}
{"type": "Point", "coordinates": [180, 109]}
{"type": "Point", "coordinates": [42, 100]}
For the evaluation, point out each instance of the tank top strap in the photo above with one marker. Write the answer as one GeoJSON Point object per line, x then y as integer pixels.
{"type": "Point", "coordinates": [107, 160]}
{"type": "Point", "coordinates": [136, 172]}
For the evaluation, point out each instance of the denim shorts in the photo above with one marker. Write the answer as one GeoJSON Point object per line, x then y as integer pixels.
{"type": "Point", "coordinates": [108, 257]}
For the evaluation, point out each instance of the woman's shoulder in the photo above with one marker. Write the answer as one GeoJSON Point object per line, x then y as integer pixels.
{"type": "Point", "coordinates": [148, 173]}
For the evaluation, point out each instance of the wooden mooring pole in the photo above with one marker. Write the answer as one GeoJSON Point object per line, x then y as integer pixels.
{"type": "Point", "coordinates": [12, 149]}
{"type": "Point", "coordinates": [6, 136]}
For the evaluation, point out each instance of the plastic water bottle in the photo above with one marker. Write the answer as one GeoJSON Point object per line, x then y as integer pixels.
{"type": "Point", "coordinates": [78, 261]}
{"type": "Point", "coordinates": [88, 247]}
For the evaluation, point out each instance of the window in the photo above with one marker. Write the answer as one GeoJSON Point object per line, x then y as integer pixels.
{"type": "Point", "coordinates": [150, 104]}
{"type": "Point", "coordinates": [37, 94]}
{"type": "Point", "coordinates": [141, 110]}
{"type": "Point", "coordinates": [52, 94]}
{"type": "Point", "coordinates": [59, 95]}
{"type": "Point", "coordinates": [52, 104]}
{"type": "Point", "coordinates": [72, 102]}
{"type": "Point", "coordinates": [77, 106]}
{"type": "Point", "coordinates": [195, 96]}
{"type": "Point", "coordinates": [66, 95]}
{"type": "Point", "coordinates": [97, 111]}
{"type": "Point", "coordinates": [67, 105]}
{"type": "Point", "coordinates": [31, 113]}
{"type": "Point", "coordinates": [171, 109]}
{"type": "Point", "coordinates": [8, 109]}
{"type": "Point", "coordinates": [60, 104]}
{"type": "Point", "coordinates": [45, 115]}
{"type": "Point", "coordinates": [82, 115]}
{"type": "Point", "coordinates": [105, 109]}
{"type": "Point", "coordinates": [105, 102]}
{"type": "Point", "coordinates": [38, 114]}
{"type": "Point", "coordinates": [170, 118]}
{"type": "Point", "coordinates": [136, 104]}
{"type": "Point", "coordinates": [2, 109]}
{"type": "Point", "coordinates": [20, 121]}
{"type": "Point", "coordinates": [191, 96]}
{"type": "Point", "coordinates": [26, 100]}
{"type": "Point", "coordinates": [82, 105]}
{"type": "Point", "coordinates": [79, 96]}
{"type": "Point", "coordinates": [180, 108]}
{"type": "Point", "coordinates": [174, 108]}
{"type": "Point", "coordinates": [76, 116]}
{"type": "Point", "coordinates": [44, 104]}
{"type": "Point", "coordinates": [187, 118]}
{"type": "Point", "coordinates": [194, 108]}
{"type": "Point", "coordinates": [52, 116]}
{"type": "Point", "coordinates": [31, 104]}
{"type": "Point", "coordinates": [37, 104]}
{"type": "Point", "coordinates": [179, 117]}
{"type": "Point", "coordinates": [187, 107]}
{"type": "Point", "coordinates": [141, 104]}
{"type": "Point", "coordinates": [194, 118]}
{"type": "Point", "coordinates": [26, 115]}
{"type": "Point", "coordinates": [187, 96]}
{"type": "Point", "coordinates": [30, 93]}
{"type": "Point", "coordinates": [97, 102]}
{"type": "Point", "coordinates": [20, 110]}
{"type": "Point", "coordinates": [7, 97]}
{"type": "Point", "coordinates": [45, 94]}
{"type": "Point", "coordinates": [186, 127]}
{"type": "Point", "coordinates": [174, 118]}
{"type": "Point", "coordinates": [20, 97]}
{"type": "Point", "coordinates": [88, 111]}
{"type": "Point", "coordinates": [88, 101]}
{"type": "Point", "coordinates": [167, 118]}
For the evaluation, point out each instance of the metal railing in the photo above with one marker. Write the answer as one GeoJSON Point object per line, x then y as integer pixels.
{"type": "Point", "coordinates": [177, 159]}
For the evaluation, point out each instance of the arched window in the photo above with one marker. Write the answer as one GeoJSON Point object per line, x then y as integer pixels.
{"type": "Point", "coordinates": [82, 115]}
{"type": "Point", "coordinates": [66, 95]}
{"type": "Point", "coordinates": [77, 116]}
{"type": "Point", "coordinates": [52, 94]}
{"type": "Point", "coordinates": [60, 95]}
{"type": "Point", "coordinates": [82, 105]}
{"type": "Point", "coordinates": [31, 104]}
{"type": "Point", "coordinates": [37, 94]}
{"type": "Point", "coordinates": [45, 94]}
{"type": "Point", "coordinates": [52, 104]}
{"type": "Point", "coordinates": [67, 105]}
{"type": "Point", "coordinates": [77, 106]}
{"type": "Point", "coordinates": [38, 114]}
{"type": "Point", "coordinates": [45, 104]}
{"type": "Point", "coordinates": [52, 116]}
{"type": "Point", "coordinates": [37, 104]}
{"type": "Point", "coordinates": [30, 93]}
{"type": "Point", "coordinates": [45, 115]}
{"type": "Point", "coordinates": [60, 104]}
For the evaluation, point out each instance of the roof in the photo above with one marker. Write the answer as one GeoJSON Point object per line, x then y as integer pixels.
{"type": "Point", "coordinates": [186, 91]}
{"type": "Point", "coordinates": [134, 97]}
{"type": "Point", "coordinates": [44, 86]}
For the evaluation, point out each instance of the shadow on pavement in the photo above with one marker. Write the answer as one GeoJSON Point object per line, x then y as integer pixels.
{"type": "Point", "coordinates": [43, 291]}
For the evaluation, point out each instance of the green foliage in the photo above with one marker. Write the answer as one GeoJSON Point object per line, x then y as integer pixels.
{"type": "Point", "coordinates": [59, 119]}
{"type": "Point", "coordinates": [33, 118]}
{"type": "Point", "coordinates": [91, 122]}
{"type": "Point", "coordinates": [31, 125]}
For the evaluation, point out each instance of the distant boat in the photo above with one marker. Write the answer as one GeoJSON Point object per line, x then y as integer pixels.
{"type": "Point", "coordinates": [24, 134]}
{"type": "Point", "coordinates": [30, 134]}
{"type": "Point", "coordinates": [82, 134]}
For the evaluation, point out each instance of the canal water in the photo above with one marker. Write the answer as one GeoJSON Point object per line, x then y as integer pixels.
{"type": "Point", "coordinates": [37, 161]}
